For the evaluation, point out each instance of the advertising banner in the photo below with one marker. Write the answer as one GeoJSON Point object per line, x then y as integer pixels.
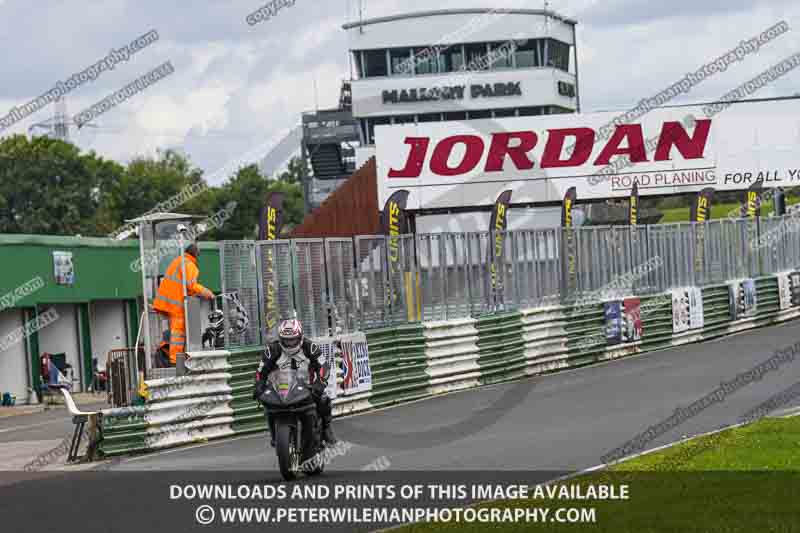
{"type": "Point", "coordinates": [633, 206]}
{"type": "Point", "coordinates": [355, 370]}
{"type": "Point", "coordinates": [750, 297]}
{"type": "Point", "coordinates": [569, 260]}
{"type": "Point", "coordinates": [613, 315]}
{"type": "Point", "coordinates": [701, 206]}
{"type": "Point", "coordinates": [567, 205]}
{"type": "Point", "coordinates": [498, 224]}
{"type": "Point", "coordinates": [687, 309]}
{"type": "Point", "coordinates": [751, 208]}
{"type": "Point", "coordinates": [742, 298]}
{"type": "Point", "coordinates": [632, 331]}
{"type": "Point", "coordinates": [270, 223]}
{"type": "Point", "coordinates": [696, 315]}
{"type": "Point", "coordinates": [674, 150]}
{"type": "Point", "coordinates": [700, 212]}
{"type": "Point", "coordinates": [794, 280]}
{"type": "Point", "coordinates": [680, 311]}
{"type": "Point", "coordinates": [394, 219]}
{"type": "Point", "coordinates": [346, 360]}
{"type": "Point", "coordinates": [63, 269]}
{"type": "Point", "coordinates": [499, 220]}
{"type": "Point", "coordinates": [271, 218]}
{"type": "Point", "coordinates": [394, 222]}
{"type": "Point", "coordinates": [328, 360]}
{"type": "Point", "coordinates": [784, 289]}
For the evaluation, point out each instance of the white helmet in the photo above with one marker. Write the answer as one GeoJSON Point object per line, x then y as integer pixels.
{"type": "Point", "coordinates": [290, 336]}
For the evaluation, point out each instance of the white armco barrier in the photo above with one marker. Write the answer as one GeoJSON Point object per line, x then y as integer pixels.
{"type": "Point", "coordinates": [451, 348]}
{"type": "Point", "coordinates": [545, 340]}
{"type": "Point", "coordinates": [415, 361]}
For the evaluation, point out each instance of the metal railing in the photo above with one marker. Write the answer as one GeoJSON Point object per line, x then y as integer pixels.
{"type": "Point", "coordinates": [374, 281]}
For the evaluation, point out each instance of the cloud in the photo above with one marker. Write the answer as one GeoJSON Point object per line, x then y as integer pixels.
{"type": "Point", "coordinates": [236, 85]}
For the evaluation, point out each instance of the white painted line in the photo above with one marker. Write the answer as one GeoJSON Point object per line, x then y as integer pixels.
{"type": "Point", "coordinates": [598, 467]}
{"type": "Point", "coordinates": [786, 413]}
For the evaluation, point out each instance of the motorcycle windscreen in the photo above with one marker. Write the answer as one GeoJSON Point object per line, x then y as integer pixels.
{"type": "Point", "coordinates": [283, 380]}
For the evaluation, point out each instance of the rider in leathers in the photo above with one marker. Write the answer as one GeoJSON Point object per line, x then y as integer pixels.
{"type": "Point", "coordinates": [291, 341]}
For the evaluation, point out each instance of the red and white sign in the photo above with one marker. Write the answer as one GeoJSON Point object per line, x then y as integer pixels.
{"type": "Point", "coordinates": [667, 151]}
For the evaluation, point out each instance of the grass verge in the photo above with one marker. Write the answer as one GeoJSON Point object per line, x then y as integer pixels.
{"type": "Point", "coordinates": [745, 479]}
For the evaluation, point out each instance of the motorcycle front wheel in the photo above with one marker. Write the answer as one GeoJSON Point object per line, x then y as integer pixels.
{"type": "Point", "coordinates": [287, 449]}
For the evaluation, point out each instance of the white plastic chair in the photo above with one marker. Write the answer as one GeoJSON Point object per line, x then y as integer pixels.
{"type": "Point", "coordinates": [79, 418]}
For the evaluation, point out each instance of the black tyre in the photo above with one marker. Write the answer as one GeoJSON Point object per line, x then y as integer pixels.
{"type": "Point", "coordinates": [288, 453]}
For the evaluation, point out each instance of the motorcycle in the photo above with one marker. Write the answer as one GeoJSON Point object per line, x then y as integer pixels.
{"type": "Point", "coordinates": [297, 427]}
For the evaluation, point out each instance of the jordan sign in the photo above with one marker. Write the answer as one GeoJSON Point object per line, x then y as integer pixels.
{"type": "Point", "coordinates": [667, 151]}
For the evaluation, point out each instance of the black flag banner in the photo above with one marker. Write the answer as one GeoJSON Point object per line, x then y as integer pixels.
{"type": "Point", "coordinates": [633, 205]}
{"type": "Point", "coordinates": [567, 206]}
{"type": "Point", "coordinates": [269, 228]}
{"type": "Point", "coordinates": [569, 259]}
{"type": "Point", "coordinates": [701, 207]}
{"type": "Point", "coordinates": [700, 213]}
{"type": "Point", "coordinates": [498, 224]}
{"type": "Point", "coordinates": [394, 222]}
{"type": "Point", "coordinates": [271, 220]}
{"type": "Point", "coordinates": [752, 201]}
{"type": "Point", "coordinates": [499, 220]}
{"type": "Point", "coordinates": [779, 201]}
{"type": "Point", "coordinates": [394, 219]}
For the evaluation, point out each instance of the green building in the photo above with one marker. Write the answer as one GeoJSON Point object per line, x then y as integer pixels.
{"type": "Point", "coordinates": [87, 295]}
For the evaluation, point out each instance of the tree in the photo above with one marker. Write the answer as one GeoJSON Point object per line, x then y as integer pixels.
{"type": "Point", "coordinates": [249, 189]}
{"type": "Point", "coordinates": [150, 183]}
{"type": "Point", "coordinates": [48, 187]}
{"type": "Point", "coordinates": [296, 170]}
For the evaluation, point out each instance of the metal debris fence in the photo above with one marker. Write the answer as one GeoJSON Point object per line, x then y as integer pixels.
{"type": "Point", "coordinates": [376, 281]}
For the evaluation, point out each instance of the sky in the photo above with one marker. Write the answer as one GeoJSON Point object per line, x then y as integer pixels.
{"type": "Point", "coordinates": [236, 87]}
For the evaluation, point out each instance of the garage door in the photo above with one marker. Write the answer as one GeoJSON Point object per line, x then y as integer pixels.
{"type": "Point", "coordinates": [13, 369]}
{"type": "Point", "coordinates": [107, 327]}
{"type": "Point", "coordinates": [62, 336]}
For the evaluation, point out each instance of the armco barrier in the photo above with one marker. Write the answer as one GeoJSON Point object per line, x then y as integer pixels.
{"type": "Point", "coordinates": [451, 352]}
{"type": "Point", "coordinates": [415, 361]}
{"type": "Point", "coordinates": [190, 408]}
{"type": "Point", "coordinates": [501, 347]}
{"type": "Point", "coordinates": [398, 363]}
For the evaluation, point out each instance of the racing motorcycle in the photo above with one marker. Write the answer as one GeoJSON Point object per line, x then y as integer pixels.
{"type": "Point", "coordinates": [297, 427]}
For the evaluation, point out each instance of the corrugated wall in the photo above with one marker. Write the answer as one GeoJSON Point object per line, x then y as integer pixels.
{"type": "Point", "coordinates": [351, 210]}
{"type": "Point", "coordinates": [102, 268]}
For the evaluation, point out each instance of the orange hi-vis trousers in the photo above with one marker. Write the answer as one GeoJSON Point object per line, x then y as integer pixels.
{"type": "Point", "coordinates": [177, 337]}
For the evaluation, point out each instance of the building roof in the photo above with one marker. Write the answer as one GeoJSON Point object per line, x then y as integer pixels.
{"type": "Point", "coordinates": [80, 242]}
{"type": "Point", "coordinates": [465, 11]}
{"type": "Point", "coordinates": [160, 217]}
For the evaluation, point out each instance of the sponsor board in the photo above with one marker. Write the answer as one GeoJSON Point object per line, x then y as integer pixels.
{"type": "Point", "coordinates": [63, 268]}
{"type": "Point", "coordinates": [696, 314]}
{"type": "Point", "coordinates": [623, 321]}
{"type": "Point", "coordinates": [356, 372]}
{"type": "Point", "coordinates": [742, 298]}
{"type": "Point", "coordinates": [789, 289]}
{"type": "Point", "coordinates": [632, 330]}
{"type": "Point", "coordinates": [613, 316]}
{"type": "Point", "coordinates": [680, 311]}
{"type": "Point", "coordinates": [348, 357]}
{"type": "Point", "coordinates": [784, 290]}
{"type": "Point", "coordinates": [794, 279]}
{"type": "Point", "coordinates": [668, 151]}
{"type": "Point", "coordinates": [687, 309]}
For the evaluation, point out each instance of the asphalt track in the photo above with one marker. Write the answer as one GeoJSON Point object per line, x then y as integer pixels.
{"type": "Point", "coordinates": [565, 421]}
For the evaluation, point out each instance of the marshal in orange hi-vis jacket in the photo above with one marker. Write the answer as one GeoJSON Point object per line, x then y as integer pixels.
{"type": "Point", "coordinates": [169, 299]}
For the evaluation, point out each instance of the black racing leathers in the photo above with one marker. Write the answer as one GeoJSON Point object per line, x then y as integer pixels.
{"type": "Point", "coordinates": [269, 359]}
